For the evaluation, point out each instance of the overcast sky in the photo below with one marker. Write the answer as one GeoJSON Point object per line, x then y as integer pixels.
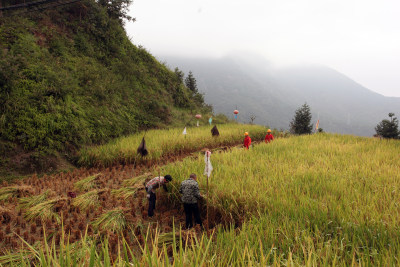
{"type": "Point", "coordinates": [359, 38]}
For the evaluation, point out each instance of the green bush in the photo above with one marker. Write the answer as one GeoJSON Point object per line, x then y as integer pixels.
{"type": "Point", "coordinates": [71, 77]}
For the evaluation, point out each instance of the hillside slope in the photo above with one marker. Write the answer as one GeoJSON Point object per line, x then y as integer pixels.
{"type": "Point", "coordinates": [69, 76]}
{"type": "Point", "coordinates": [272, 95]}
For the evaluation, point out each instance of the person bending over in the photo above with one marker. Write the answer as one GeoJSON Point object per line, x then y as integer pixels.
{"type": "Point", "coordinates": [151, 187]}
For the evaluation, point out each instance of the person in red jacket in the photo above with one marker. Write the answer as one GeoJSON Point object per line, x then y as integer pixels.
{"type": "Point", "coordinates": [269, 137]}
{"type": "Point", "coordinates": [247, 140]}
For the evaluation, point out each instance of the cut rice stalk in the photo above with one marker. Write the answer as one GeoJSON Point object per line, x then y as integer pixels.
{"type": "Point", "coordinates": [44, 210]}
{"type": "Point", "coordinates": [136, 181]}
{"type": "Point", "coordinates": [28, 202]}
{"type": "Point", "coordinates": [125, 192]}
{"type": "Point", "coordinates": [87, 183]}
{"type": "Point", "coordinates": [113, 220]}
{"type": "Point", "coordinates": [167, 239]}
{"type": "Point", "coordinates": [15, 191]}
{"type": "Point", "coordinates": [88, 200]}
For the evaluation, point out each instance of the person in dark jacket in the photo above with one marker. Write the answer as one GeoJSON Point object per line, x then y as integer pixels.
{"type": "Point", "coordinates": [190, 195]}
{"type": "Point", "coordinates": [151, 186]}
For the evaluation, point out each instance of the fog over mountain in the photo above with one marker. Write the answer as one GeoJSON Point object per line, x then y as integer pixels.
{"type": "Point", "coordinates": [254, 87]}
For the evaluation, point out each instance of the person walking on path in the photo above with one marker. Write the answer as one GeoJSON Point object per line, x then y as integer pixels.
{"type": "Point", "coordinates": [269, 137]}
{"type": "Point", "coordinates": [151, 187]}
{"type": "Point", "coordinates": [190, 195]}
{"type": "Point", "coordinates": [247, 140]}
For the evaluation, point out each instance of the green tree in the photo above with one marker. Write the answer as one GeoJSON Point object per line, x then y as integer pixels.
{"type": "Point", "coordinates": [117, 9]}
{"type": "Point", "coordinates": [301, 123]}
{"type": "Point", "coordinates": [191, 83]}
{"type": "Point", "coordinates": [388, 128]}
{"type": "Point", "coordinates": [179, 74]}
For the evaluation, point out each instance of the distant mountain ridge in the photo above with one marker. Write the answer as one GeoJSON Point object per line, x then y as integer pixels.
{"type": "Point", "coordinates": [273, 95]}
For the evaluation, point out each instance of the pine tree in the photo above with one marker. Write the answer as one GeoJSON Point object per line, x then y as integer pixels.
{"type": "Point", "coordinates": [191, 83]}
{"type": "Point", "coordinates": [179, 74]}
{"type": "Point", "coordinates": [301, 123]}
{"type": "Point", "coordinates": [388, 128]}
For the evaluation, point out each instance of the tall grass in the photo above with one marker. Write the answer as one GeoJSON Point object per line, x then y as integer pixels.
{"type": "Point", "coordinates": [336, 197]}
{"type": "Point", "coordinates": [169, 142]}
{"type": "Point", "coordinates": [178, 248]}
{"type": "Point", "coordinates": [251, 246]}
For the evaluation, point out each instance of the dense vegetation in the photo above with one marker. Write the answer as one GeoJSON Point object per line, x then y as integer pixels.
{"type": "Point", "coordinates": [70, 76]}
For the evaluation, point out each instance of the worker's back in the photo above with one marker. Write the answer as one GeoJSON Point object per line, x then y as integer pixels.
{"type": "Point", "coordinates": [190, 191]}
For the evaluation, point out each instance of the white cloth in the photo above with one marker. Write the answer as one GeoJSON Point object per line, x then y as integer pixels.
{"type": "Point", "coordinates": [184, 131]}
{"type": "Point", "coordinates": [207, 159]}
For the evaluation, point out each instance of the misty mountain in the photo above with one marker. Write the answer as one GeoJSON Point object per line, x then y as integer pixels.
{"type": "Point", "coordinates": [252, 86]}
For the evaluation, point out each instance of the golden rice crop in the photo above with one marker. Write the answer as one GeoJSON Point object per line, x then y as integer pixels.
{"type": "Point", "coordinates": [331, 189]}
{"type": "Point", "coordinates": [166, 142]}
{"type": "Point", "coordinates": [307, 200]}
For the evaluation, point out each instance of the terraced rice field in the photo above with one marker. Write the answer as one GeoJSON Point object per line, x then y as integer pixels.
{"type": "Point", "coordinates": [166, 144]}
{"type": "Point", "coordinates": [309, 200]}
{"type": "Point", "coordinates": [80, 201]}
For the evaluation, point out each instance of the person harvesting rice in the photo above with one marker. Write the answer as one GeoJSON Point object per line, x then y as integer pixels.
{"type": "Point", "coordinates": [151, 186]}
{"type": "Point", "coordinates": [190, 194]}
